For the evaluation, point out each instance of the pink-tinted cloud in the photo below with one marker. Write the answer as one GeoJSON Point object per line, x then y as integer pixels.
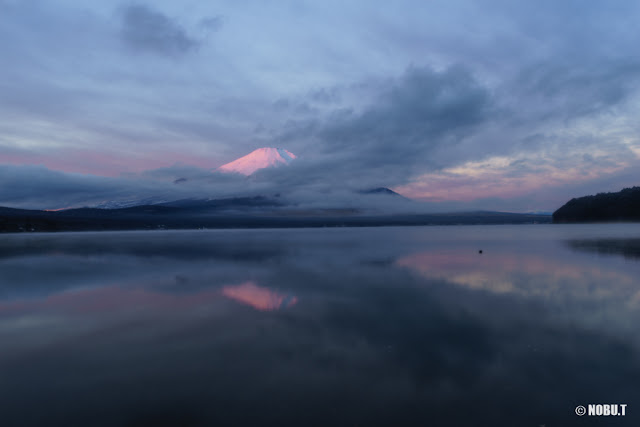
{"type": "Point", "coordinates": [105, 162]}
{"type": "Point", "coordinates": [546, 182]}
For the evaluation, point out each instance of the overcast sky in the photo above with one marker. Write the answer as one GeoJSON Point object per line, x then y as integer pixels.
{"type": "Point", "coordinates": [512, 105]}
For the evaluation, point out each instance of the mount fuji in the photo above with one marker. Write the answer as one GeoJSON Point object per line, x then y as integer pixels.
{"type": "Point", "coordinates": [261, 158]}
{"type": "Point", "coordinates": [246, 166]}
{"type": "Point", "coordinates": [365, 207]}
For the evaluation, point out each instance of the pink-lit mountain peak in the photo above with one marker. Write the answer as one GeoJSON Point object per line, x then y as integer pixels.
{"type": "Point", "coordinates": [261, 158]}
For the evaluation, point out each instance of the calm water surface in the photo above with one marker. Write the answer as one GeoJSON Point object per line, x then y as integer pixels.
{"type": "Point", "coordinates": [360, 327]}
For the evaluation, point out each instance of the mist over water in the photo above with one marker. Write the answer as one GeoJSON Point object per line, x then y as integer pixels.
{"type": "Point", "coordinates": [363, 326]}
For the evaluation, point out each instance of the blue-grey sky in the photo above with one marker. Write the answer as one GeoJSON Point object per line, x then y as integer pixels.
{"type": "Point", "coordinates": [512, 105]}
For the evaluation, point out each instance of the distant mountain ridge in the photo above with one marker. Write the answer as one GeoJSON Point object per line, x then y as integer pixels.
{"type": "Point", "coordinates": [232, 213]}
{"type": "Point", "coordinates": [621, 206]}
{"type": "Point", "coordinates": [121, 204]}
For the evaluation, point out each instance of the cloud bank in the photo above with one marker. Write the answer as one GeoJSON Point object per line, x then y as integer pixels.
{"type": "Point", "coordinates": [449, 103]}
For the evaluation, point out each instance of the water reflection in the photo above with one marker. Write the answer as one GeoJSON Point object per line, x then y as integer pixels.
{"type": "Point", "coordinates": [389, 326]}
{"type": "Point", "coordinates": [504, 272]}
{"type": "Point", "coordinates": [260, 298]}
{"type": "Point", "coordinates": [629, 248]}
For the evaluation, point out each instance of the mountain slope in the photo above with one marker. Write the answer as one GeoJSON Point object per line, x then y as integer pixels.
{"type": "Point", "coordinates": [261, 158]}
{"type": "Point", "coordinates": [381, 190]}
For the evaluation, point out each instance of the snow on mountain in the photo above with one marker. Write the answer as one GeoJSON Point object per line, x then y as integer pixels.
{"type": "Point", "coordinates": [261, 158]}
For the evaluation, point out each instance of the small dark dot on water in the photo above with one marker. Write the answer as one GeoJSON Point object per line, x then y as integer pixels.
{"type": "Point", "coordinates": [480, 251]}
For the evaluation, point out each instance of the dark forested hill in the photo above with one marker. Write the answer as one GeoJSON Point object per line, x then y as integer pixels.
{"type": "Point", "coordinates": [621, 206]}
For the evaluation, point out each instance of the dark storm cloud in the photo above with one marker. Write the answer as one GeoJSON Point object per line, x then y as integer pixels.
{"type": "Point", "coordinates": [402, 131]}
{"type": "Point", "coordinates": [39, 187]}
{"type": "Point", "coordinates": [560, 90]}
{"type": "Point", "coordinates": [212, 183]}
{"type": "Point", "coordinates": [145, 29]}
{"type": "Point", "coordinates": [212, 23]}
{"type": "Point", "coordinates": [428, 120]}
{"type": "Point", "coordinates": [325, 95]}
{"type": "Point", "coordinates": [36, 187]}
{"type": "Point", "coordinates": [422, 111]}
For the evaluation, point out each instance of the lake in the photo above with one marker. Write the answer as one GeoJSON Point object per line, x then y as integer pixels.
{"type": "Point", "coordinates": [396, 326]}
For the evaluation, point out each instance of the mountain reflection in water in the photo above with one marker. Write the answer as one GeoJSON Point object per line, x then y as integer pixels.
{"type": "Point", "coordinates": [257, 297]}
{"type": "Point", "coordinates": [384, 326]}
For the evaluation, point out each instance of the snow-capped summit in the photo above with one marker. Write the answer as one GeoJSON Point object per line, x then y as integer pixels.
{"type": "Point", "coordinates": [261, 158]}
